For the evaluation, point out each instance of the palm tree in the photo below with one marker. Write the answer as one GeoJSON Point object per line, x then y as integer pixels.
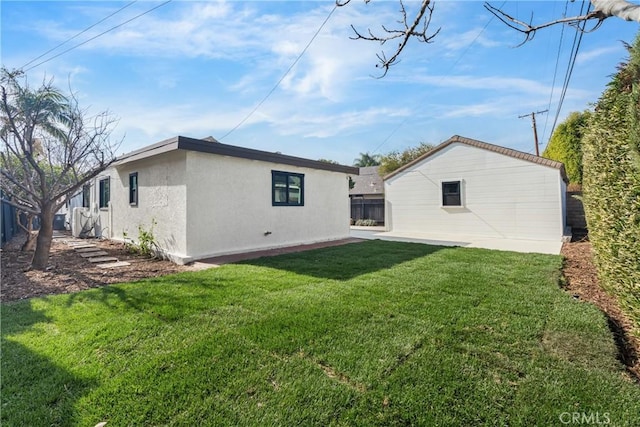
{"type": "Point", "coordinates": [367, 159]}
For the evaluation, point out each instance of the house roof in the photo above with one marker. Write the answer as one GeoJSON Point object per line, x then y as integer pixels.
{"type": "Point", "coordinates": [368, 181]}
{"type": "Point", "coordinates": [485, 146]}
{"type": "Point", "coordinates": [210, 145]}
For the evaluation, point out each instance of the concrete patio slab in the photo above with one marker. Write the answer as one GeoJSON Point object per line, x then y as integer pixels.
{"type": "Point", "coordinates": [514, 245]}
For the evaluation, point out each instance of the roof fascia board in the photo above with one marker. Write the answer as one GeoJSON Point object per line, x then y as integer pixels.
{"type": "Point", "coordinates": [192, 144]}
{"type": "Point", "coordinates": [205, 146]}
{"type": "Point", "coordinates": [485, 146]}
{"type": "Point", "coordinates": [148, 151]}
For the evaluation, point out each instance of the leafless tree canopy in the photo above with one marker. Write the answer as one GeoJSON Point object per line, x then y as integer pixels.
{"type": "Point", "coordinates": [407, 28]}
{"type": "Point", "coordinates": [597, 13]}
{"type": "Point", "coordinates": [50, 148]}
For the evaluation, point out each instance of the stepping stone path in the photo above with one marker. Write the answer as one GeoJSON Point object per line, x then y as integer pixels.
{"type": "Point", "coordinates": [95, 255]}
{"type": "Point", "coordinates": [99, 259]}
{"type": "Point", "coordinates": [114, 264]}
{"type": "Point", "coordinates": [92, 254]}
{"type": "Point", "coordinates": [83, 246]}
{"type": "Point", "coordinates": [87, 250]}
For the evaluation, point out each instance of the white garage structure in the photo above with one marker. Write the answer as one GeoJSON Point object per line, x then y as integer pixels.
{"type": "Point", "coordinates": [209, 199]}
{"type": "Point", "coordinates": [466, 189]}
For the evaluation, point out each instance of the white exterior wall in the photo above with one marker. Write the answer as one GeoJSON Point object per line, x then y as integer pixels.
{"type": "Point", "coordinates": [503, 197]}
{"type": "Point", "coordinates": [230, 207]}
{"type": "Point", "coordinates": [162, 198]}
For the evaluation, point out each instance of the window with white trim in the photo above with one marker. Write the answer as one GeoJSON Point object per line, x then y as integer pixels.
{"type": "Point", "coordinates": [133, 189]}
{"type": "Point", "coordinates": [105, 192]}
{"type": "Point", "coordinates": [451, 193]}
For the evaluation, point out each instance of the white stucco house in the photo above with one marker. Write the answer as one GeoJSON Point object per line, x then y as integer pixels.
{"type": "Point", "coordinates": [208, 199]}
{"type": "Point", "coordinates": [465, 188]}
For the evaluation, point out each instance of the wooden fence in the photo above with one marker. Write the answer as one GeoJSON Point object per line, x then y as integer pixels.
{"type": "Point", "coordinates": [8, 223]}
{"type": "Point", "coordinates": [367, 209]}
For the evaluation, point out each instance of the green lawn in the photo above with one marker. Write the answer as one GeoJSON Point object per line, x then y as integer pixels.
{"type": "Point", "coordinates": [373, 333]}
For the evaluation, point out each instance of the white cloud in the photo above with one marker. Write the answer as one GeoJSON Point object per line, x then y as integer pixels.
{"type": "Point", "coordinates": [462, 40]}
{"type": "Point", "coordinates": [592, 54]}
{"type": "Point", "coordinates": [341, 123]}
{"type": "Point", "coordinates": [484, 83]}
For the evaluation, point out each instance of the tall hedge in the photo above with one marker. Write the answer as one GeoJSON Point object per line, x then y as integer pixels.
{"type": "Point", "coordinates": [565, 144]}
{"type": "Point", "coordinates": [611, 184]}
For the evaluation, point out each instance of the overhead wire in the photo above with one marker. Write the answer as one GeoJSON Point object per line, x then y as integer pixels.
{"type": "Point", "coordinates": [283, 76]}
{"type": "Point", "coordinates": [79, 34]}
{"type": "Point", "coordinates": [100, 35]}
{"type": "Point", "coordinates": [572, 61]}
{"type": "Point", "coordinates": [555, 71]}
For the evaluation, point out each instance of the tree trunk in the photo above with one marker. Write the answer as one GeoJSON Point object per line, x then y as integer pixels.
{"type": "Point", "coordinates": [45, 236]}
{"type": "Point", "coordinates": [622, 9]}
{"type": "Point", "coordinates": [29, 243]}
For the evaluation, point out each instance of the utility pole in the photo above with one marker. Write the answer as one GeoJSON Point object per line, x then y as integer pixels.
{"type": "Point", "coordinates": [535, 130]}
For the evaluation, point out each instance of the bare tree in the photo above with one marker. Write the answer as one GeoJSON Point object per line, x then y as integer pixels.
{"type": "Point", "coordinates": [418, 27]}
{"type": "Point", "coordinates": [409, 28]}
{"type": "Point", "coordinates": [50, 149]}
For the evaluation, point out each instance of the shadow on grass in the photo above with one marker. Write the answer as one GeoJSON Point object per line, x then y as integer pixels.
{"type": "Point", "coordinates": [171, 297]}
{"type": "Point", "coordinates": [347, 261]}
{"type": "Point", "coordinates": [167, 298]}
{"type": "Point", "coordinates": [34, 389]}
{"type": "Point", "coordinates": [627, 354]}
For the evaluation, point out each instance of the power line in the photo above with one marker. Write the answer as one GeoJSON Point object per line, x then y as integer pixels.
{"type": "Point", "coordinates": [99, 35]}
{"type": "Point", "coordinates": [535, 128]}
{"type": "Point", "coordinates": [555, 71]}
{"type": "Point", "coordinates": [283, 76]}
{"type": "Point", "coordinates": [577, 40]}
{"type": "Point", "coordinates": [79, 34]}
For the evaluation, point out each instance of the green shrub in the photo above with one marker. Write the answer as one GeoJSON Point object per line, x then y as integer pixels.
{"type": "Point", "coordinates": [396, 159]}
{"type": "Point", "coordinates": [566, 144]}
{"type": "Point", "coordinates": [366, 222]}
{"type": "Point", "coordinates": [611, 185]}
{"type": "Point", "coordinates": [146, 244]}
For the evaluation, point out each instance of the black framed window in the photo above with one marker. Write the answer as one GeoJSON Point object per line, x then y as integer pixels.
{"type": "Point", "coordinates": [287, 189]}
{"type": "Point", "coordinates": [133, 188]}
{"type": "Point", "coordinates": [105, 192]}
{"type": "Point", "coordinates": [451, 193]}
{"type": "Point", "coordinates": [86, 195]}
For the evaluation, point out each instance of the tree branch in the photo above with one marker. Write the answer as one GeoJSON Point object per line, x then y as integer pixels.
{"type": "Point", "coordinates": [408, 30]}
{"type": "Point", "coordinates": [529, 30]}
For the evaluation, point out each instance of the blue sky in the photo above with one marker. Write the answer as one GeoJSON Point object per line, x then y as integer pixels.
{"type": "Point", "coordinates": [199, 68]}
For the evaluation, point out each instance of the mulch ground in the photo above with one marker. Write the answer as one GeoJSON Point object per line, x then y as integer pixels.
{"type": "Point", "coordinates": [581, 281]}
{"type": "Point", "coordinates": [68, 272]}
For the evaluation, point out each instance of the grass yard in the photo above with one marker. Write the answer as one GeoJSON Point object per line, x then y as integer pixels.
{"type": "Point", "coordinates": [372, 333]}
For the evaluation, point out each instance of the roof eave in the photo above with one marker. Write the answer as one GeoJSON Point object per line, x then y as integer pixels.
{"type": "Point", "coordinates": [485, 146]}
{"type": "Point", "coordinates": [204, 146]}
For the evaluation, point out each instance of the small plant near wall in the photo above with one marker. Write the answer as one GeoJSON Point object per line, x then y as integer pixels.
{"type": "Point", "coordinates": [366, 222]}
{"type": "Point", "coordinates": [129, 244]}
{"type": "Point", "coordinates": [146, 244]}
